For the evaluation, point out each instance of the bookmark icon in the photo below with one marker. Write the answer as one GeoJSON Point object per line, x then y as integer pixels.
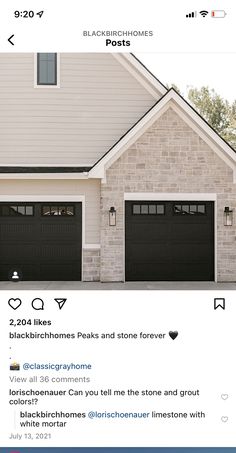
{"type": "Point", "coordinates": [219, 302]}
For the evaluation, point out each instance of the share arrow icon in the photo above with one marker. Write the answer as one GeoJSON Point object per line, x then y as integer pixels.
{"type": "Point", "coordinates": [61, 302]}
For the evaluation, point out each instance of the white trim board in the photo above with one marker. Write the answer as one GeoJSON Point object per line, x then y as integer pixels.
{"type": "Point", "coordinates": [169, 196]}
{"type": "Point", "coordinates": [141, 74]}
{"type": "Point", "coordinates": [38, 198]}
{"type": "Point", "coordinates": [43, 175]}
{"type": "Point", "coordinates": [92, 246]}
{"type": "Point", "coordinates": [52, 164]}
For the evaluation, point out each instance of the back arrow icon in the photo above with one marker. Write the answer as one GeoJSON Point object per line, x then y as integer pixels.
{"type": "Point", "coordinates": [9, 39]}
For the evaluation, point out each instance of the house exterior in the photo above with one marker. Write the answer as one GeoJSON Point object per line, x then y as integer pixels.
{"type": "Point", "coordinates": [105, 175]}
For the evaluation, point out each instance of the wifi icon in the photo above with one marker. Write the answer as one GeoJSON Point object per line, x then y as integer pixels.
{"type": "Point", "coordinates": [203, 13]}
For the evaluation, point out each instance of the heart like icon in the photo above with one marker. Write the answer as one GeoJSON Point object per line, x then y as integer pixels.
{"type": "Point", "coordinates": [224, 396]}
{"type": "Point", "coordinates": [224, 419]}
{"type": "Point", "coordinates": [174, 334]}
{"type": "Point", "coordinates": [14, 303]}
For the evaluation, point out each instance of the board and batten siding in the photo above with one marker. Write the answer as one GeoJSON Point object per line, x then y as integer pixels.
{"type": "Point", "coordinates": [90, 189]}
{"type": "Point", "coordinates": [97, 102]}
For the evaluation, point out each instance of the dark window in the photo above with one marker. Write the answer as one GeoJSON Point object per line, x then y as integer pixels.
{"type": "Point", "coordinates": [193, 208]}
{"type": "Point", "coordinates": [16, 210]}
{"type": "Point", "coordinates": [58, 210]}
{"type": "Point", "coordinates": [201, 209]}
{"type": "Point", "coordinates": [186, 208]}
{"type": "Point", "coordinates": [136, 209]}
{"type": "Point", "coordinates": [148, 209]}
{"type": "Point", "coordinates": [47, 69]}
{"type": "Point", "coordinates": [29, 210]}
{"type": "Point", "coordinates": [152, 209]}
{"type": "Point", "coordinates": [144, 208]}
{"type": "Point", "coordinates": [160, 209]}
{"type": "Point", "coordinates": [20, 209]}
{"type": "Point", "coordinates": [189, 209]}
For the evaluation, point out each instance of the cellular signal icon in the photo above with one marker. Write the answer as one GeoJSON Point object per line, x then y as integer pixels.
{"type": "Point", "coordinates": [192, 14]}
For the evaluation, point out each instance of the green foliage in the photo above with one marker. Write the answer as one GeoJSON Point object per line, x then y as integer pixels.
{"type": "Point", "coordinates": [216, 111]}
{"type": "Point", "coordinates": [211, 106]}
{"type": "Point", "coordinates": [173, 86]}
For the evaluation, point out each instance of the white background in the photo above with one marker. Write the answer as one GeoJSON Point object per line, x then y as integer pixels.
{"type": "Point", "coordinates": [202, 357]}
{"type": "Point", "coordinates": [60, 29]}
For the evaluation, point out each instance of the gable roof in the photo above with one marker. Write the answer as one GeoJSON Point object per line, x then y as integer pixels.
{"type": "Point", "coordinates": [187, 113]}
{"type": "Point", "coordinates": [142, 74]}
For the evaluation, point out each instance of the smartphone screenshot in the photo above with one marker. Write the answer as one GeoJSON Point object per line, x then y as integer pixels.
{"type": "Point", "coordinates": [117, 226]}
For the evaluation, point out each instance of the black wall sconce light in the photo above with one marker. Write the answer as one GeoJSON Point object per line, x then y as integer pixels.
{"type": "Point", "coordinates": [228, 216]}
{"type": "Point", "coordinates": [112, 216]}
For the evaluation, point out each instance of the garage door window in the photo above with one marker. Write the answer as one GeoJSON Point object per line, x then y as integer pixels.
{"type": "Point", "coordinates": [148, 209]}
{"type": "Point", "coordinates": [16, 210]}
{"type": "Point", "coordinates": [58, 210]}
{"type": "Point", "coordinates": [189, 209]}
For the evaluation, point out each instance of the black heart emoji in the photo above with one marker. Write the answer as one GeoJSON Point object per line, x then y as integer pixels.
{"type": "Point", "coordinates": [174, 334]}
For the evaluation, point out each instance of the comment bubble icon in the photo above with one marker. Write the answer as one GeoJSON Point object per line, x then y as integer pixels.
{"type": "Point", "coordinates": [37, 304]}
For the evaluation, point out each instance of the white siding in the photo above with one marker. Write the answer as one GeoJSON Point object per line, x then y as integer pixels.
{"type": "Point", "coordinates": [97, 102]}
{"type": "Point", "coordinates": [89, 188]}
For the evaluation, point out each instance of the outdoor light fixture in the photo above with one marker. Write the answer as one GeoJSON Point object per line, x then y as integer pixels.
{"type": "Point", "coordinates": [228, 216]}
{"type": "Point", "coordinates": [112, 216]}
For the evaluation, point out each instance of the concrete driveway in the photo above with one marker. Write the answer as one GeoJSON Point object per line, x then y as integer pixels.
{"type": "Point", "coordinates": [77, 286]}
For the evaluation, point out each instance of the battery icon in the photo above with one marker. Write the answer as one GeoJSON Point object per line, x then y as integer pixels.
{"type": "Point", "coordinates": [218, 14]}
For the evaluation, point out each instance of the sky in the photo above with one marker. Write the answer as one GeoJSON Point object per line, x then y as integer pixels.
{"type": "Point", "coordinates": [216, 70]}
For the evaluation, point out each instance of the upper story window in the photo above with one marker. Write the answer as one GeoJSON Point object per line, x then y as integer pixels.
{"type": "Point", "coordinates": [46, 69]}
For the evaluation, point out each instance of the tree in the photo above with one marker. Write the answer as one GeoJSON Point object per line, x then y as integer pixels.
{"type": "Point", "coordinates": [230, 134]}
{"type": "Point", "coordinates": [176, 88]}
{"type": "Point", "coordinates": [211, 106]}
{"type": "Point", "coordinates": [216, 111]}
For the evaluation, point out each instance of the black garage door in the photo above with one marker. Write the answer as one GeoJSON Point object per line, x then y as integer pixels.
{"type": "Point", "coordinates": [169, 241]}
{"type": "Point", "coordinates": [42, 241]}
